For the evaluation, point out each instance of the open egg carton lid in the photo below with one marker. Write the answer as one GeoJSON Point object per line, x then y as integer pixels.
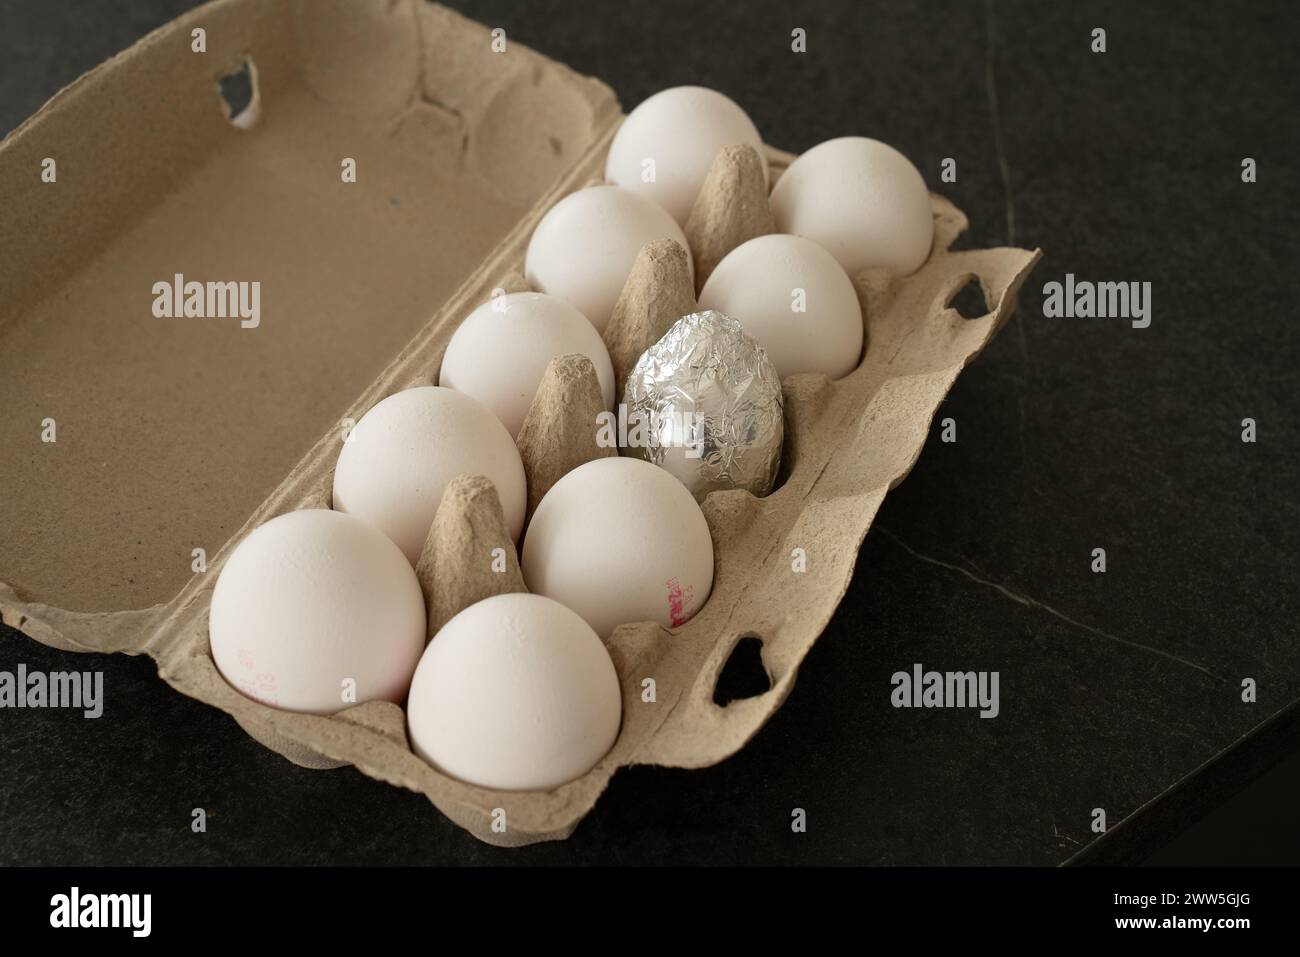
{"type": "Point", "coordinates": [174, 438]}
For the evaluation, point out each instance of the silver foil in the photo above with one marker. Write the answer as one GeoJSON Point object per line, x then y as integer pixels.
{"type": "Point", "coordinates": [709, 401]}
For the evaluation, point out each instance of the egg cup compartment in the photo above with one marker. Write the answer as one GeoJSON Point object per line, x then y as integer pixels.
{"type": "Point", "coordinates": [782, 562]}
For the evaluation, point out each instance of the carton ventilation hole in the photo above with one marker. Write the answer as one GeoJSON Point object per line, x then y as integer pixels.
{"type": "Point", "coordinates": [239, 93]}
{"type": "Point", "coordinates": [968, 301]}
{"type": "Point", "coordinates": [744, 675]}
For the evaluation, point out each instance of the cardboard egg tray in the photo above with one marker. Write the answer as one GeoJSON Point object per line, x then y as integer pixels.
{"type": "Point", "coordinates": [175, 437]}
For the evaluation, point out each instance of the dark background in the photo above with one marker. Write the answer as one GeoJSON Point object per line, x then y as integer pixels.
{"type": "Point", "coordinates": [1119, 690]}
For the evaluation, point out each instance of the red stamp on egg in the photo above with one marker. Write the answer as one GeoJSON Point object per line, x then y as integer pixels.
{"type": "Point", "coordinates": [678, 599]}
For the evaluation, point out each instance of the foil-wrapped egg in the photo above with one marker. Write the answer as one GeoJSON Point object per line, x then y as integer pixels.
{"type": "Point", "coordinates": [704, 403]}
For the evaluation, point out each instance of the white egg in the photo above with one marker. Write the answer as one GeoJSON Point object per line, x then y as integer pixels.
{"type": "Point", "coordinates": [516, 693]}
{"type": "Point", "coordinates": [861, 199]}
{"type": "Point", "coordinates": [399, 458]}
{"type": "Point", "coordinates": [677, 134]}
{"type": "Point", "coordinates": [620, 540]}
{"type": "Point", "coordinates": [500, 352]}
{"type": "Point", "coordinates": [316, 611]}
{"type": "Point", "coordinates": [794, 299]}
{"type": "Point", "coordinates": [585, 245]}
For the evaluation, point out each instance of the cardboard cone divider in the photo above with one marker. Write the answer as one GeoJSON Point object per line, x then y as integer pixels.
{"type": "Point", "coordinates": [559, 432]}
{"type": "Point", "coordinates": [658, 292]}
{"type": "Point", "coordinates": [731, 209]}
{"type": "Point", "coordinates": [782, 563]}
{"type": "Point", "coordinates": [455, 567]}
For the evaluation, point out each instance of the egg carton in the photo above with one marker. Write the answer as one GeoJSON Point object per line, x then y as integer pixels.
{"type": "Point", "coordinates": [782, 562]}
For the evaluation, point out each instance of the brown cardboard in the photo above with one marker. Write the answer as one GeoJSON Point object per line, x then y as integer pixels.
{"type": "Point", "coordinates": [176, 434]}
{"type": "Point", "coordinates": [559, 432]}
{"type": "Point", "coordinates": [466, 540]}
{"type": "Point", "coordinates": [657, 293]}
{"type": "Point", "coordinates": [731, 209]}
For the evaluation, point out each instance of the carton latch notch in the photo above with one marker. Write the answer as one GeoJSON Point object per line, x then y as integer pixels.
{"type": "Point", "coordinates": [744, 675]}
{"type": "Point", "coordinates": [240, 94]}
